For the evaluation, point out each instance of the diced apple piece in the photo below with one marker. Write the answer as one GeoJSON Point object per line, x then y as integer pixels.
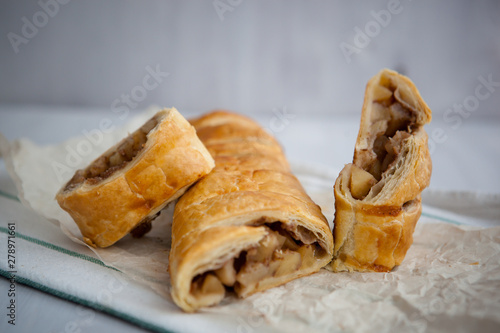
{"type": "Point", "coordinates": [289, 243]}
{"type": "Point", "coordinates": [227, 273]}
{"type": "Point", "coordinates": [250, 274]}
{"type": "Point", "coordinates": [379, 127]}
{"type": "Point", "coordinates": [126, 148]}
{"type": "Point", "coordinates": [281, 239]}
{"type": "Point", "coordinates": [289, 262]}
{"type": "Point", "coordinates": [285, 241]}
{"type": "Point", "coordinates": [212, 285]}
{"type": "Point", "coordinates": [307, 254]}
{"type": "Point", "coordinates": [265, 250]}
{"type": "Point", "coordinates": [208, 291]}
{"type": "Point", "coordinates": [403, 97]}
{"type": "Point", "coordinates": [99, 166]}
{"type": "Point", "coordinates": [115, 159]}
{"type": "Point", "coordinates": [379, 113]}
{"type": "Point", "coordinates": [381, 93]}
{"type": "Point", "coordinates": [361, 182]}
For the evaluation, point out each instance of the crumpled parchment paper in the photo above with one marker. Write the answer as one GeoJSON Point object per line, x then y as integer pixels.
{"type": "Point", "coordinates": [449, 280]}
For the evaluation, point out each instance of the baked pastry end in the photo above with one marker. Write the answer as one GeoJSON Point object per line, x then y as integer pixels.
{"type": "Point", "coordinates": [247, 226]}
{"type": "Point", "coordinates": [377, 197]}
{"type": "Point", "coordinates": [127, 186]}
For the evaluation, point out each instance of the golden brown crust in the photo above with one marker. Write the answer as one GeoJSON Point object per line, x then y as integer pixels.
{"type": "Point", "coordinates": [370, 237]}
{"type": "Point", "coordinates": [374, 232]}
{"type": "Point", "coordinates": [225, 213]}
{"type": "Point", "coordinates": [171, 160]}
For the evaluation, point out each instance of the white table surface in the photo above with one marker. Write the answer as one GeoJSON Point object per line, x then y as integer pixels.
{"type": "Point", "coordinates": [467, 160]}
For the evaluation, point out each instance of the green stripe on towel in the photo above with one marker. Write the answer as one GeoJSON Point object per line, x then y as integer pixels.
{"type": "Point", "coordinates": [58, 249]}
{"type": "Point", "coordinates": [440, 218]}
{"type": "Point", "coordinates": [9, 196]}
{"type": "Point", "coordinates": [90, 304]}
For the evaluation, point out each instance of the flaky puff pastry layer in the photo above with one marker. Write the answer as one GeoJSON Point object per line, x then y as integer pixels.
{"type": "Point", "coordinates": [226, 213]}
{"type": "Point", "coordinates": [132, 181]}
{"type": "Point", "coordinates": [377, 198]}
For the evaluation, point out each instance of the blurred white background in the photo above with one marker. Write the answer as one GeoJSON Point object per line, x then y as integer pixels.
{"type": "Point", "coordinates": [66, 65]}
{"type": "Point", "coordinates": [249, 56]}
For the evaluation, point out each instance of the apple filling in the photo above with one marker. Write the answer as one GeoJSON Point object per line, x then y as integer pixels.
{"type": "Point", "coordinates": [115, 158]}
{"type": "Point", "coordinates": [144, 226]}
{"type": "Point", "coordinates": [392, 122]}
{"type": "Point", "coordinates": [277, 255]}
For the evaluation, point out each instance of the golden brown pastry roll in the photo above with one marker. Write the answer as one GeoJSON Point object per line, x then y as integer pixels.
{"type": "Point", "coordinates": [248, 225]}
{"type": "Point", "coordinates": [377, 197]}
{"type": "Point", "coordinates": [127, 186]}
